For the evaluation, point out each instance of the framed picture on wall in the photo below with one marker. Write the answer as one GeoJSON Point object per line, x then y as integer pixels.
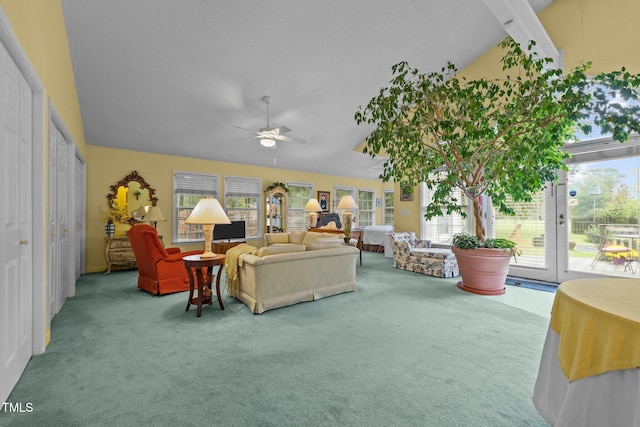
{"type": "Point", "coordinates": [378, 202]}
{"type": "Point", "coordinates": [324, 198]}
{"type": "Point", "coordinates": [406, 193]}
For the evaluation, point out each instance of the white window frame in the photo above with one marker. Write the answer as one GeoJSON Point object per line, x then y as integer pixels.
{"type": "Point", "coordinates": [455, 222]}
{"type": "Point", "coordinates": [346, 190]}
{"type": "Point", "coordinates": [385, 208]}
{"type": "Point", "coordinates": [241, 186]}
{"type": "Point", "coordinates": [372, 211]}
{"type": "Point", "coordinates": [294, 212]}
{"type": "Point", "coordinates": [200, 184]}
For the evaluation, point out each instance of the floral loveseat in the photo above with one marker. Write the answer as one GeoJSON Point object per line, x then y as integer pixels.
{"type": "Point", "coordinates": [413, 254]}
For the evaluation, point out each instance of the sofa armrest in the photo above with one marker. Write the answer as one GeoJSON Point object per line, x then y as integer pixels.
{"type": "Point", "coordinates": [173, 250]}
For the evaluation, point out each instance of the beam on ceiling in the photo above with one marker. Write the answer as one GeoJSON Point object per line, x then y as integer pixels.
{"type": "Point", "coordinates": [520, 21]}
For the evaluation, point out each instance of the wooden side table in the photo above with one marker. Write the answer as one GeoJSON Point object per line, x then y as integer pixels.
{"type": "Point", "coordinates": [222, 247]}
{"type": "Point", "coordinates": [193, 262]}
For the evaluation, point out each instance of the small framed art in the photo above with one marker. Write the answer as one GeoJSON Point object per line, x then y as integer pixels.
{"type": "Point", "coordinates": [378, 202]}
{"type": "Point", "coordinates": [406, 193]}
{"type": "Point", "coordinates": [324, 200]}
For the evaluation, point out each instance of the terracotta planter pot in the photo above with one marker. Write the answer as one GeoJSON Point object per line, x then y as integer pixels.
{"type": "Point", "coordinates": [483, 270]}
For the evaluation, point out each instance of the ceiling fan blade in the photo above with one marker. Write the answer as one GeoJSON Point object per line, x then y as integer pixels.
{"type": "Point", "coordinates": [282, 129]}
{"type": "Point", "coordinates": [290, 139]}
{"type": "Point", "coordinates": [250, 130]}
{"type": "Point", "coordinates": [249, 137]}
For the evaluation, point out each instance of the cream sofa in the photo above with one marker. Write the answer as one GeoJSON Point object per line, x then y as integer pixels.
{"type": "Point", "coordinates": [283, 274]}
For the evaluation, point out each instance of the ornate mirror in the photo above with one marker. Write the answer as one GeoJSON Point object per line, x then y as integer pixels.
{"type": "Point", "coordinates": [132, 194]}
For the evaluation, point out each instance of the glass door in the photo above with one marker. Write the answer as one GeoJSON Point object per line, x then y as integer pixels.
{"type": "Point", "coordinates": [586, 223]}
{"type": "Point", "coordinates": [603, 206]}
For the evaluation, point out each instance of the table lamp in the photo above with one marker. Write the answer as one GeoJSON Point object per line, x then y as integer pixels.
{"type": "Point", "coordinates": [154, 215]}
{"type": "Point", "coordinates": [347, 203]}
{"type": "Point", "coordinates": [208, 213]}
{"type": "Point", "coordinates": [314, 206]}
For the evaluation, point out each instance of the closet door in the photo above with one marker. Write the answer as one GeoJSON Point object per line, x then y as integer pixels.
{"type": "Point", "coordinates": [62, 258]}
{"type": "Point", "coordinates": [78, 228]}
{"type": "Point", "coordinates": [16, 239]}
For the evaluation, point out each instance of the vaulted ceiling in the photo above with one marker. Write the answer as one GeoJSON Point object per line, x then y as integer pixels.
{"type": "Point", "coordinates": [181, 77]}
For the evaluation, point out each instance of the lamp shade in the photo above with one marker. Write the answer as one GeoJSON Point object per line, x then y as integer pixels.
{"type": "Point", "coordinates": [312, 205]}
{"type": "Point", "coordinates": [208, 212]}
{"type": "Point", "coordinates": [347, 202]}
{"type": "Point", "coordinates": [154, 214]}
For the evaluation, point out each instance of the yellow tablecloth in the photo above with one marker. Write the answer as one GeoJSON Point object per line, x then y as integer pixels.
{"type": "Point", "coordinates": [598, 321]}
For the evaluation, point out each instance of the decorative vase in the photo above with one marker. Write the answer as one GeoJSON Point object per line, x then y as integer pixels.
{"type": "Point", "coordinates": [483, 270]}
{"type": "Point", "coordinates": [347, 239]}
{"type": "Point", "coordinates": [110, 229]}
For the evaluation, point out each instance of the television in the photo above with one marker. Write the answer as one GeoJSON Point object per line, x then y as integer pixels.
{"type": "Point", "coordinates": [235, 230]}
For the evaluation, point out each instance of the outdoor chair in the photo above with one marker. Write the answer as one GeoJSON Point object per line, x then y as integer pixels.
{"type": "Point", "coordinates": [610, 250]}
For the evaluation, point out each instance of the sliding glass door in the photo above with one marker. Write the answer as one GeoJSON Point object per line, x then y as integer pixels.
{"type": "Point", "coordinates": [586, 223]}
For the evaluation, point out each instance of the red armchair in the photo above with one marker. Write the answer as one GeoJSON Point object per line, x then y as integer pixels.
{"type": "Point", "coordinates": [160, 271]}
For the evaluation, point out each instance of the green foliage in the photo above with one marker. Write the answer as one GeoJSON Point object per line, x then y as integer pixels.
{"type": "Point", "coordinates": [467, 241]}
{"type": "Point", "coordinates": [277, 184]}
{"type": "Point", "coordinates": [495, 137]}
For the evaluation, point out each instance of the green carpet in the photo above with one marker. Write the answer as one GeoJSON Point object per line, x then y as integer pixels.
{"type": "Point", "coordinates": [404, 349]}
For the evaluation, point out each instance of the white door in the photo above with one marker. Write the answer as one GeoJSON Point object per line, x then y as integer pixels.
{"type": "Point", "coordinates": [61, 257]}
{"type": "Point", "coordinates": [62, 217]}
{"type": "Point", "coordinates": [79, 209]}
{"type": "Point", "coordinates": [16, 242]}
{"type": "Point", "coordinates": [559, 231]}
{"type": "Point", "coordinates": [53, 243]}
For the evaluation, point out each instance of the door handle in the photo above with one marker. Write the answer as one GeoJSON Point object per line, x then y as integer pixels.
{"type": "Point", "coordinates": [24, 242]}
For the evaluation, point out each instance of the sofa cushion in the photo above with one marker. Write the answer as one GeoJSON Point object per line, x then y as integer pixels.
{"type": "Point", "coordinates": [297, 237]}
{"type": "Point", "coordinates": [273, 238]}
{"type": "Point", "coordinates": [280, 249]}
{"type": "Point", "coordinates": [329, 243]}
{"type": "Point", "coordinates": [313, 236]}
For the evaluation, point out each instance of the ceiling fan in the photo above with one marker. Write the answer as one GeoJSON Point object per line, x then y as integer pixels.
{"type": "Point", "coordinates": [267, 135]}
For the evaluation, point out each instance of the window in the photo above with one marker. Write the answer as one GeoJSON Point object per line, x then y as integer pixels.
{"type": "Point", "coordinates": [242, 201]}
{"type": "Point", "coordinates": [442, 228]}
{"type": "Point", "coordinates": [366, 207]}
{"type": "Point", "coordinates": [388, 210]}
{"type": "Point", "coordinates": [298, 196]}
{"type": "Point", "coordinates": [188, 188]}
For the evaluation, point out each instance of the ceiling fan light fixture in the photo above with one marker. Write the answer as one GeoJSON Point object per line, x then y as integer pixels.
{"type": "Point", "coordinates": [268, 142]}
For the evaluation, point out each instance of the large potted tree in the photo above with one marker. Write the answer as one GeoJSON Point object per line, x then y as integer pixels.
{"type": "Point", "coordinates": [498, 137]}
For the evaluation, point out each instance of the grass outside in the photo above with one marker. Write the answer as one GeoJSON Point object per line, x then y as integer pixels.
{"type": "Point", "coordinates": [531, 231]}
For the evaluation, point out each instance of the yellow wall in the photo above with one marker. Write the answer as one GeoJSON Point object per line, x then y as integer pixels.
{"type": "Point", "coordinates": [40, 30]}
{"type": "Point", "coordinates": [107, 166]}
{"type": "Point", "coordinates": [38, 25]}
{"type": "Point", "coordinates": [603, 32]}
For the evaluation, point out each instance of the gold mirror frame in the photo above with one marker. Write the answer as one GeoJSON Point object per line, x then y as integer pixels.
{"type": "Point", "coordinates": [133, 176]}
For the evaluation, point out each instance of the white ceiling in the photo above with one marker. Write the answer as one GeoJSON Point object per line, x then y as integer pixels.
{"type": "Point", "coordinates": [176, 76]}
